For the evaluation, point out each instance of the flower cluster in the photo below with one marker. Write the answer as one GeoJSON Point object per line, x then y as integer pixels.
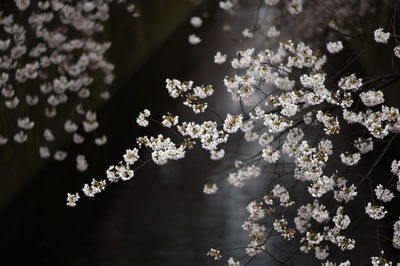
{"type": "Point", "coordinates": [295, 117]}
{"type": "Point", "coordinates": [381, 36]}
{"type": "Point", "coordinates": [51, 57]}
{"type": "Point", "coordinates": [334, 47]}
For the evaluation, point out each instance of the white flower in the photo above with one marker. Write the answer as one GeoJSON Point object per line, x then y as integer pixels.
{"type": "Point", "coordinates": [364, 145]}
{"type": "Point", "coordinates": [169, 120]}
{"type": "Point", "coordinates": [81, 163]}
{"type": "Point", "coordinates": [90, 126]}
{"type": "Point", "coordinates": [89, 191]}
{"type": "Point", "coordinates": [20, 137]}
{"type": "Point", "coordinates": [331, 124]}
{"type": "Point", "coordinates": [321, 186]}
{"type": "Point", "coordinates": [396, 234]}
{"type": "Point", "coordinates": [233, 262]}
{"type": "Point", "coordinates": [350, 83]}
{"type": "Point", "coordinates": [95, 187]}
{"type": "Point", "coordinates": [91, 116]}
{"type": "Point", "coordinates": [376, 212]}
{"type": "Point", "coordinates": [372, 98]}
{"type": "Point", "coordinates": [210, 189]}
{"type": "Point", "coordinates": [334, 47]}
{"type": "Point", "coordinates": [250, 136]}
{"type": "Point", "coordinates": [350, 159]}
{"type": "Point", "coordinates": [142, 118]}
{"type": "Point", "coordinates": [352, 117]}
{"type": "Point", "coordinates": [105, 95]}
{"type": "Point", "coordinates": [321, 253]}
{"type": "Point", "coordinates": [395, 167]}
{"type": "Point", "coordinates": [48, 135]}
{"type": "Point", "coordinates": [44, 152]}
{"type": "Point", "coordinates": [232, 123]}
{"type": "Point", "coordinates": [295, 7]}
{"type": "Point", "coordinates": [319, 213]}
{"type": "Point", "coordinates": [345, 243]}
{"type": "Point", "coordinates": [78, 139]}
{"type": "Point", "coordinates": [100, 140]}
{"type": "Point", "coordinates": [396, 51]}
{"type": "Point", "coordinates": [131, 156]}
{"type": "Point", "coordinates": [72, 199]}
{"type": "Point", "coordinates": [328, 263]}
{"type": "Point", "coordinates": [203, 92]}
{"type": "Point", "coordinates": [4, 44]}
{"type": "Point", "coordinates": [247, 33]}
{"type": "Point", "coordinates": [31, 100]}
{"type": "Point", "coordinates": [12, 104]}
{"type": "Point", "coordinates": [341, 220]}
{"type": "Point", "coordinates": [3, 80]}
{"type": "Point", "coordinates": [70, 126]}
{"type": "Point", "coordinates": [22, 4]}
{"type": "Point", "coordinates": [345, 193]}
{"type": "Point", "coordinates": [124, 173]}
{"type": "Point", "coordinates": [243, 60]}
{"type": "Point", "coordinates": [380, 261]}
{"type": "Point", "coordinates": [381, 36]}
{"type": "Point", "coordinates": [227, 5]}
{"type": "Point", "coordinates": [383, 194]}
{"type": "Point", "coordinates": [3, 140]}
{"type": "Point", "coordinates": [25, 123]}
{"type": "Point", "coordinates": [289, 109]}
{"type": "Point", "coordinates": [159, 157]}
{"type": "Point", "coordinates": [308, 118]}
{"type": "Point", "coordinates": [217, 155]}
{"type": "Point", "coordinates": [254, 248]}
{"type": "Point", "coordinates": [280, 225]}
{"type": "Point", "coordinates": [271, 2]}
{"type": "Point", "coordinates": [194, 39]}
{"type": "Point", "coordinates": [60, 155]}
{"type": "Point", "coordinates": [270, 154]}
{"type": "Point", "coordinates": [284, 83]}
{"type": "Point", "coordinates": [256, 211]}
{"type": "Point", "coordinates": [98, 185]}
{"type": "Point", "coordinates": [273, 32]}
{"type": "Point", "coordinates": [7, 92]}
{"type": "Point", "coordinates": [130, 8]}
{"type": "Point", "coordinates": [219, 58]}
{"type": "Point", "coordinates": [88, 6]}
{"type": "Point", "coordinates": [280, 192]}
{"type": "Point", "coordinates": [314, 238]}
{"type": "Point", "coordinates": [265, 139]}
{"type": "Point", "coordinates": [276, 123]}
{"type": "Point", "coordinates": [196, 21]}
